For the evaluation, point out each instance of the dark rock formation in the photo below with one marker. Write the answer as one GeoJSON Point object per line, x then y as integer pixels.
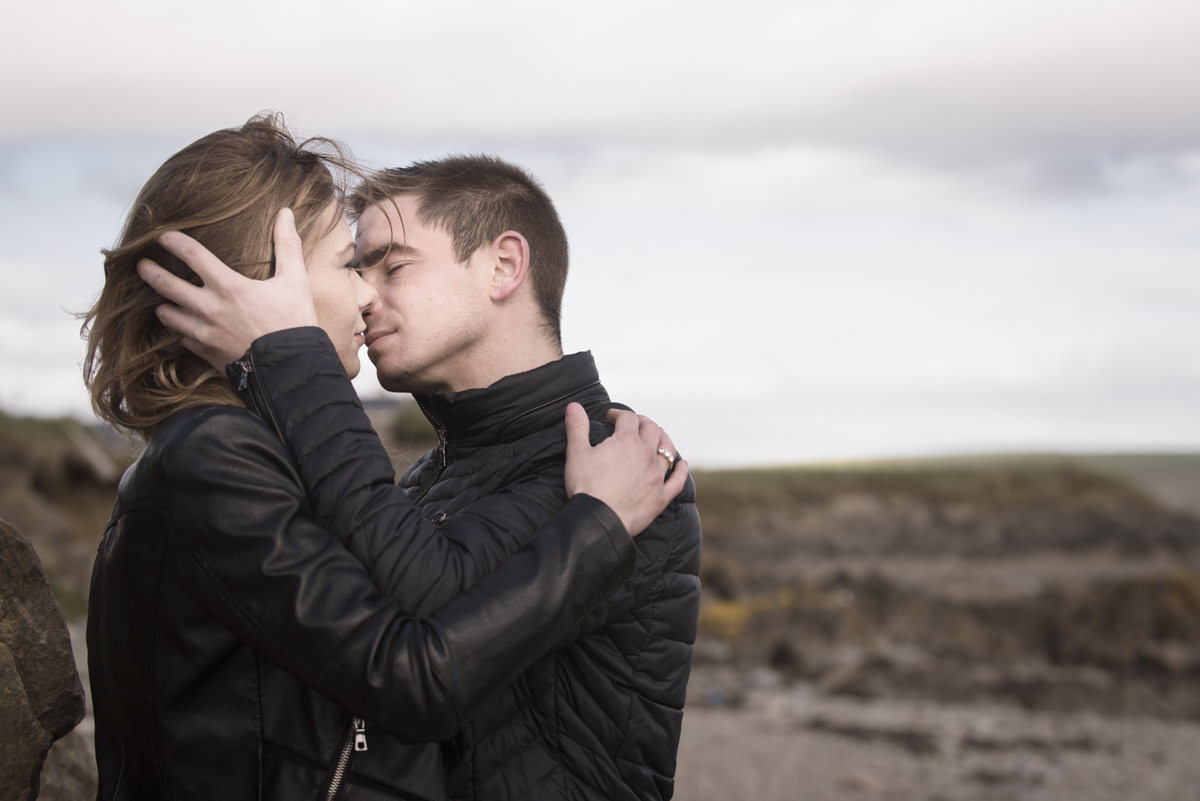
{"type": "Point", "coordinates": [41, 698]}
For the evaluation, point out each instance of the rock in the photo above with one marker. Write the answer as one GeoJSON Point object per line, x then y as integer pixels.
{"type": "Point", "coordinates": [863, 782]}
{"type": "Point", "coordinates": [91, 455]}
{"type": "Point", "coordinates": [41, 698]}
{"type": "Point", "coordinates": [918, 741]}
{"type": "Point", "coordinates": [762, 678]}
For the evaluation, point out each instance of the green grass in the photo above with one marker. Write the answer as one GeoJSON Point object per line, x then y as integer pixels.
{"type": "Point", "coordinates": [1169, 478]}
{"type": "Point", "coordinates": [1117, 461]}
{"type": "Point", "coordinates": [33, 428]}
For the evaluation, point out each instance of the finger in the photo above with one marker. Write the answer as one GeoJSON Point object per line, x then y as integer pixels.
{"type": "Point", "coordinates": [676, 479]}
{"type": "Point", "coordinates": [623, 421]}
{"type": "Point", "coordinates": [181, 321]}
{"type": "Point", "coordinates": [666, 443]}
{"type": "Point", "coordinates": [649, 430]}
{"type": "Point", "coordinates": [289, 250]}
{"type": "Point", "coordinates": [207, 354]}
{"type": "Point", "coordinates": [615, 413]}
{"type": "Point", "coordinates": [578, 426]}
{"type": "Point", "coordinates": [212, 271]}
{"type": "Point", "coordinates": [169, 285]}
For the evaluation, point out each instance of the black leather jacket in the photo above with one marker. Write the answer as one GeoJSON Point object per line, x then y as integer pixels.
{"type": "Point", "coordinates": [235, 646]}
{"type": "Point", "coordinates": [599, 718]}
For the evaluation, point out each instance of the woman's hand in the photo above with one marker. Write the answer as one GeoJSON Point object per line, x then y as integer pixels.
{"type": "Point", "coordinates": [629, 471]}
{"type": "Point", "coordinates": [220, 319]}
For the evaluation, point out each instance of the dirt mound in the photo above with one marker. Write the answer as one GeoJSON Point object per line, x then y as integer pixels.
{"type": "Point", "coordinates": [58, 480]}
{"type": "Point", "coordinates": [1117, 646]}
{"type": "Point", "coordinates": [987, 511]}
{"type": "Point", "coordinates": [1148, 624]}
{"type": "Point", "coordinates": [1050, 587]}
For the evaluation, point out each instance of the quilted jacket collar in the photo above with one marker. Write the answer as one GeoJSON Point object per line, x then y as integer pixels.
{"type": "Point", "coordinates": [517, 405]}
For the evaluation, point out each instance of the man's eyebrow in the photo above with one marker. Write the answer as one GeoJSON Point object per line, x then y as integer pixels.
{"type": "Point", "coordinates": [347, 255]}
{"type": "Point", "coordinates": [376, 255]}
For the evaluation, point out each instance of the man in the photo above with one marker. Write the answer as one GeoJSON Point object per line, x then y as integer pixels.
{"type": "Point", "coordinates": [469, 261]}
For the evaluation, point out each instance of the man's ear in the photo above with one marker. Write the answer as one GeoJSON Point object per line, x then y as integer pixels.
{"type": "Point", "coordinates": [511, 267]}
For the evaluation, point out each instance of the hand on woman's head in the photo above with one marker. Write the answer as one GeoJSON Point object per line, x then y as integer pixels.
{"type": "Point", "coordinates": [220, 319]}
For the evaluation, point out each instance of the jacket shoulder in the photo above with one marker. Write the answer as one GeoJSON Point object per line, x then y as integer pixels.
{"type": "Point", "coordinates": [196, 431]}
{"type": "Point", "coordinates": [192, 437]}
{"type": "Point", "coordinates": [199, 422]}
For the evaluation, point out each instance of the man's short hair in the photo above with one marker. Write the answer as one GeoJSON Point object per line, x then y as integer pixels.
{"type": "Point", "coordinates": [475, 198]}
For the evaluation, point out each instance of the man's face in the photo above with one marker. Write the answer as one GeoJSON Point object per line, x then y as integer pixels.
{"type": "Point", "coordinates": [426, 331]}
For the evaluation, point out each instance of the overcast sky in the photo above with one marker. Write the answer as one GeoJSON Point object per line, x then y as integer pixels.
{"type": "Point", "coordinates": [800, 230]}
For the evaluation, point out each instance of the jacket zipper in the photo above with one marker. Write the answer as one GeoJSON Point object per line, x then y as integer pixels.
{"type": "Point", "coordinates": [442, 456]}
{"type": "Point", "coordinates": [356, 740]}
{"type": "Point", "coordinates": [258, 404]}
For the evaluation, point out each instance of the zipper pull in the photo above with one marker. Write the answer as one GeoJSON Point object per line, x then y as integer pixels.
{"type": "Point", "coordinates": [244, 369]}
{"type": "Point", "coordinates": [360, 734]}
{"type": "Point", "coordinates": [441, 432]}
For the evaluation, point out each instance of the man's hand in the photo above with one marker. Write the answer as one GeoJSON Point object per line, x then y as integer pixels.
{"type": "Point", "coordinates": [626, 471]}
{"type": "Point", "coordinates": [219, 320]}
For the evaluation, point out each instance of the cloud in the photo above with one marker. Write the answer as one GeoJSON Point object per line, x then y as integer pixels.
{"type": "Point", "coordinates": [944, 80]}
{"type": "Point", "coordinates": [853, 226]}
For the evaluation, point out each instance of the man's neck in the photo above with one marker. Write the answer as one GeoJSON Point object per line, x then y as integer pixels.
{"type": "Point", "coordinates": [503, 359]}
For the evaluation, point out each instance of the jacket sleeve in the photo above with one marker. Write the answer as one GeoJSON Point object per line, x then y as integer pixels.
{"type": "Point", "coordinates": [247, 547]}
{"type": "Point", "coordinates": [295, 382]}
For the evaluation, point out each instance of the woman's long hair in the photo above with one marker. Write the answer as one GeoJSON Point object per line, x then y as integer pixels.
{"type": "Point", "coordinates": [224, 190]}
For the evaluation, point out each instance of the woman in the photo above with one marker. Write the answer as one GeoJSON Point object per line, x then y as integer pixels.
{"type": "Point", "coordinates": [236, 648]}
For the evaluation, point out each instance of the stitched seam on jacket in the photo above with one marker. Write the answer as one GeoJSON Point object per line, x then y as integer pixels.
{"type": "Point", "coordinates": [525, 412]}
{"type": "Point", "coordinates": [155, 737]}
{"type": "Point", "coordinates": [500, 727]}
{"type": "Point", "coordinates": [652, 610]}
{"type": "Point", "coordinates": [262, 733]}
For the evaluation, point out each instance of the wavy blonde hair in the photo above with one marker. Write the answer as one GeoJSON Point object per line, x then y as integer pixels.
{"type": "Point", "coordinates": [224, 190]}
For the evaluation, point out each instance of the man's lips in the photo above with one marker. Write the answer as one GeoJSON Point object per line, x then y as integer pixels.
{"type": "Point", "coordinates": [372, 336]}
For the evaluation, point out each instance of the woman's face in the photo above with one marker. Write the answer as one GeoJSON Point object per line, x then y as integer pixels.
{"type": "Point", "coordinates": [339, 293]}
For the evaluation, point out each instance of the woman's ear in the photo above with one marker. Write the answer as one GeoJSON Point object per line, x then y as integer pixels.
{"type": "Point", "coordinates": [511, 267]}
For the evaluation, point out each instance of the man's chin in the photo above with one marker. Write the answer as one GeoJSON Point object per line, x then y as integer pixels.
{"type": "Point", "coordinates": [392, 382]}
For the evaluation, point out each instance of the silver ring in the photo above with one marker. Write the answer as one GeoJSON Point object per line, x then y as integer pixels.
{"type": "Point", "coordinates": [666, 454]}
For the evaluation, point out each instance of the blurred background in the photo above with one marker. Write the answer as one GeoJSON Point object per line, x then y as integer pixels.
{"type": "Point", "coordinates": [913, 285]}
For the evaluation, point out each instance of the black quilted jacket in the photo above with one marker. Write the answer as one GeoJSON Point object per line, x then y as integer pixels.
{"type": "Point", "coordinates": [235, 645]}
{"type": "Point", "coordinates": [597, 719]}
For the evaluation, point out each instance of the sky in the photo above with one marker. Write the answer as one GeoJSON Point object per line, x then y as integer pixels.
{"type": "Point", "coordinates": [800, 231]}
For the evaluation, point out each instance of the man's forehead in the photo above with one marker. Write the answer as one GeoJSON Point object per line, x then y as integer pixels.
{"type": "Point", "coordinates": [373, 230]}
{"type": "Point", "coordinates": [393, 225]}
{"type": "Point", "coordinates": [374, 222]}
